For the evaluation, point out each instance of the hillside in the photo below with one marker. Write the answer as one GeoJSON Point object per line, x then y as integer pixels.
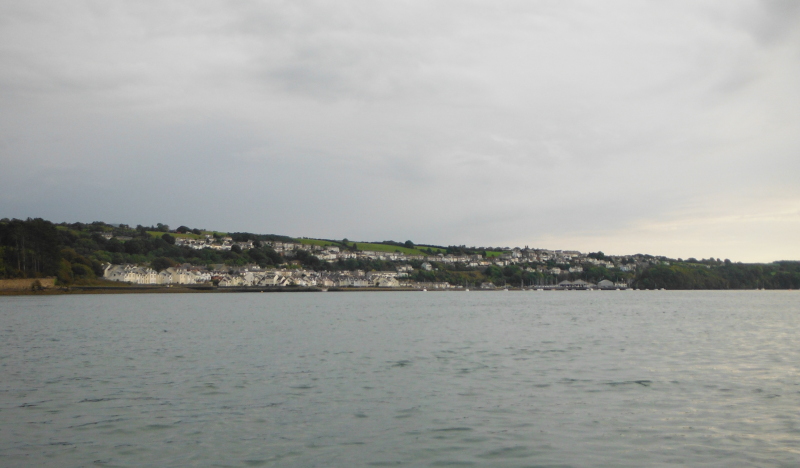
{"type": "Point", "coordinates": [77, 252]}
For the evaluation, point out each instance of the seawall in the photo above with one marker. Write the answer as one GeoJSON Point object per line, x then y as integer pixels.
{"type": "Point", "coordinates": [27, 283]}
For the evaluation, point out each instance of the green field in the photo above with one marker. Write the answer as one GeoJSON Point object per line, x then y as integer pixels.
{"type": "Point", "coordinates": [435, 250]}
{"type": "Point", "coordinates": [370, 246]}
{"type": "Point", "coordinates": [493, 253]}
{"type": "Point", "coordinates": [188, 235]}
{"type": "Point", "coordinates": [323, 243]}
{"type": "Point", "coordinates": [388, 248]}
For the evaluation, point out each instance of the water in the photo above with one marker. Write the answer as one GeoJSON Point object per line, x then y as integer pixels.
{"type": "Point", "coordinates": [506, 379]}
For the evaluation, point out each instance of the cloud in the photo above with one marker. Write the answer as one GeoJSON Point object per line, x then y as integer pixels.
{"type": "Point", "coordinates": [468, 122]}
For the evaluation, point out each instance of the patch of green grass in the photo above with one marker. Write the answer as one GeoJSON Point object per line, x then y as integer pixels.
{"type": "Point", "coordinates": [323, 243]}
{"type": "Point", "coordinates": [369, 246]}
{"type": "Point", "coordinates": [65, 228]}
{"type": "Point", "coordinates": [388, 248]}
{"type": "Point", "coordinates": [188, 235]}
{"type": "Point", "coordinates": [435, 250]}
{"type": "Point", "coordinates": [493, 253]}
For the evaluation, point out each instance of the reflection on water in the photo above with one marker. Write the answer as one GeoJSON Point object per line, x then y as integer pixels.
{"type": "Point", "coordinates": [646, 378]}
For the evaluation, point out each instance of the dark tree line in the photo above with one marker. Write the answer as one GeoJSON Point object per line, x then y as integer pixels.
{"type": "Point", "coordinates": [29, 249]}
{"type": "Point", "coordinates": [36, 248]}
{"type": "Point", "coordinates": [727, 275]}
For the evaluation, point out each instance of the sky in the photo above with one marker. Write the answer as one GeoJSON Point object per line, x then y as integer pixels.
{"type": "Point", "coordinates": [667, 128]}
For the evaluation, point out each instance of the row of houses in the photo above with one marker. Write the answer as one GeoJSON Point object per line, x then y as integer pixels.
{"type": "Point", "coordinates": [581, 284]}
{"type": "Point", "coordinates": [571, 285]}
{"type": "Point", "coordinates": [210, 242]}
{"type": "Point", "coordinates": [253, 276]}
{"type": "Point", "coordinates": [306, 278]}
{"type": "Point", "coordinates": [144, 275]}
{"type": "Point", "coordinates": [573, 259]}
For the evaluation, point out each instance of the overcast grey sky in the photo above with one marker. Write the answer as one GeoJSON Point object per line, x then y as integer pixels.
{"type": "Point", "coordinates": [669, 128]}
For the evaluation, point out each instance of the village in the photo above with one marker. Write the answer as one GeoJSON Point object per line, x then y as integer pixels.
{"type": "Point", "coordinates": [555, 265]}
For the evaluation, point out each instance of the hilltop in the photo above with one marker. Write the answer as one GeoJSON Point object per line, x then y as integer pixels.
{"type": "Point", "coordinates": [81, 253]}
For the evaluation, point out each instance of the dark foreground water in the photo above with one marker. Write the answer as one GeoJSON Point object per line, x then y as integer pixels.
{"type": "Point", "coordinates": [506, 379]}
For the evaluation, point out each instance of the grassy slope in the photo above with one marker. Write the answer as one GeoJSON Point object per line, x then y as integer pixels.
{"type": "Point", "coordinates": [360, 245]}
{"type": "Point", "coordinates": [321, 242]}
{"type": "Point", "coordinates": [388, 248]}
{"type": "Point", "coordinates": [188, 235]}
{"type": "Point", "coordinates": [370, 246]}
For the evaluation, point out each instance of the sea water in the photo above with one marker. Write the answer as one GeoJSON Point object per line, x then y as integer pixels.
{"type": "Point", "coordinates": [505, 379]}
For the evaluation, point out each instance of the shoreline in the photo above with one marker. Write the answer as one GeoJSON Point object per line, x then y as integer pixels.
{"type": "Point", "coordinates": [63, 291]}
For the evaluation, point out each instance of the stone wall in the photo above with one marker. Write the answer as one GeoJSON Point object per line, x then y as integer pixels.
{"type": "Point", "coordinates": [27, 283]}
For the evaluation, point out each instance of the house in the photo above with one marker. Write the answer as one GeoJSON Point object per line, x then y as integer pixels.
{"type": "Point", "coordinates": [232, 280]}
{"type": "Point", "coordinates": [434, 285]}
{"type": "Point", "coordinates": [131, 274]}
{"type": "Point", "coordinates": [326, 282]}
{"type": "Point", "coordinates": [300, 282]}
{"type": "Point", "coordinates": [344, 281]}
{"type": "Point", "coordinates": [386, 282]}
{"type": "Point", "coordinates": [606, 284]}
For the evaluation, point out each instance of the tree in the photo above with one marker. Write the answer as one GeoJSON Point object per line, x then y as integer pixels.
{"type": "Point", "coordinates": [81, 271]}
{"type": "Point", "coordinates": [597, 255]}
{"type": "Point", "coordinates": [409, 244]}
{"type": "Point", "coordinates": [168, 239]}
{"type": "Point", "coordinates": [31, 248]}
{"type": "Point", "coordinates": [307, 258]}
{"type": "Point", "coordinates": [135, 246]}
{"type": "Point", "coordinates": [162, 263]}
{"type": "Point", "coordinates": [64, 273]}
{"type": "Point", "coordinates": [258, 257]}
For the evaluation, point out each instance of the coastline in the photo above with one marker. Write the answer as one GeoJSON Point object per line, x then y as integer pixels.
{"type": "Point", "coordinates": [184, 290]}
{"type": "Point", "coordinates": [62, 291]}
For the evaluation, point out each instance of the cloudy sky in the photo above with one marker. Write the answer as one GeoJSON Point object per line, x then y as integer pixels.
{"type": "Point", "coordinates": [669, 128]}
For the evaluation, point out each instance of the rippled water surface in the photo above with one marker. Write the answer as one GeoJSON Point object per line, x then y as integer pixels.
{"type": "Point", "coordinates": [507, 379]}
